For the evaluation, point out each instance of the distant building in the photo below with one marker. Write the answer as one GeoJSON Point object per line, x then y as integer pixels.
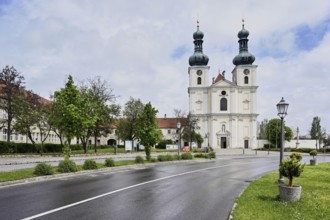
{"type": "Point", "coordinates": [226, 108]}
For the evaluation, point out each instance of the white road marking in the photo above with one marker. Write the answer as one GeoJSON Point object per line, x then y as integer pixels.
{"type": "Point", "coordinates": [125, 188]}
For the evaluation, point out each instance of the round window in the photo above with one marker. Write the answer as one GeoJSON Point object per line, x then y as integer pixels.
{"type": "Point", "coordinates": [223, 93]}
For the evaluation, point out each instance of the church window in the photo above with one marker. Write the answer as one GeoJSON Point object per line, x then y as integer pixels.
{"type": "Point", "coordinates": [223, 104]}
{"type": "Point", "coordinates": [223, 93]}
{"type": "Point", "coordinates": [199, 81]}
{"type": "Point", "coordinates": [246, 80]}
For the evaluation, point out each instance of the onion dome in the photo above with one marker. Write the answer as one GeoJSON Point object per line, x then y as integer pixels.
{"type": "Point", "coordinates": [198, 58]}
{"type": "Point", "coordinates": [244, 57]}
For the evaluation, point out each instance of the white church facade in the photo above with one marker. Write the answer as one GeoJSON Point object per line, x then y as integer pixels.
{"type": "Point", "coordinates": [226, 109]}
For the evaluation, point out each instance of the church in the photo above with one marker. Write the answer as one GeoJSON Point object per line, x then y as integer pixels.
{"type": "Point", "coordinates": [226, 109]}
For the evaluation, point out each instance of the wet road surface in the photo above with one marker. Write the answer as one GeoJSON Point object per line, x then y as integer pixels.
{"type": "Point", "coordinates": [192, 190]}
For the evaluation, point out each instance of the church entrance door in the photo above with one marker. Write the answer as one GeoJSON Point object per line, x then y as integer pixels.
{"type": "Point", "coordinates": [223, 141]}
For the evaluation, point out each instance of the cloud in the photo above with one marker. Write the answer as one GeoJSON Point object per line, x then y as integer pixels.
{"type": "Point", "coordinates": [142, 48]}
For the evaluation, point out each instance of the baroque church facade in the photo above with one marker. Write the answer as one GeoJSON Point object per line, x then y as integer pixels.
{"type": "Point", "coordinates": [226, 109]}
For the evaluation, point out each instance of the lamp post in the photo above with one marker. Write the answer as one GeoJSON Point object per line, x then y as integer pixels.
{"type": "Point", "coordinates": [208, 142]}
{"type": "Point", "coordinates": [282, 108]}
{"type": "Point", "coordinates": [192, 130]}
{"type": "Point", "coordinates": [178, 126]}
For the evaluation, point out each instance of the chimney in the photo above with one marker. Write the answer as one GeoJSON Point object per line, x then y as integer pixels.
{"type": "Point", "coordinates": [165, 116]}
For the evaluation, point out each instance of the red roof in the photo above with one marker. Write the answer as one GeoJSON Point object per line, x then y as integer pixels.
{"type": "Point", "coordinates": [25, 92]}
{"type": "Point", "coordinates": [219, 78]}
{"type": "Point", "coordinates": [169, 122]}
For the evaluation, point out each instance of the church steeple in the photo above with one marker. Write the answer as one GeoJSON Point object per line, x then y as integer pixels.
{"type": "Point", "coordinates": [244, 57]}
{"type": "Point", "coordinates": [198, 58]}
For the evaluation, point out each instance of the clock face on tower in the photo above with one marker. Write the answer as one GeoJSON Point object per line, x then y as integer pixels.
{"type": "Point", "coordinates": [199, 72]}
{"type": "Point", "coordinates": [246, 71]}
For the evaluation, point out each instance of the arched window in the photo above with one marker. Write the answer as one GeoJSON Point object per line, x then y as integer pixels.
{"type": "Point", "coordinates": [223, 104]}
{"type": "Point", "coordinates": [199, 81]}
{"type": "Point", "coordinates": [246, 80]}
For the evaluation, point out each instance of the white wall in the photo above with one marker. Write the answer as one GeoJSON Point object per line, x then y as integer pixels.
{"type": "Point", "coordinates": [292, 143]}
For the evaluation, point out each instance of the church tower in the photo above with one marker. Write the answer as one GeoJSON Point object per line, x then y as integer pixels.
{"type": "Point", "coordinates": [226, 110]}
{"type": "Point", "coordinates": [198, 76]}
{"type": "Point", "coordinates": [245, 77]}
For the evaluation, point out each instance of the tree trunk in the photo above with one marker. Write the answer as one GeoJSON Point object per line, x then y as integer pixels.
{"type": "Point", "coordinates": [31, 139]}
{"type": "Point", "coordinates": [8, 129]}
{"type": "Point", "coordinates": [148, 152]}
{"type": "Point", "coordinates": [290, 182]}
{"type": "Point", "coordinates": [95, 139]}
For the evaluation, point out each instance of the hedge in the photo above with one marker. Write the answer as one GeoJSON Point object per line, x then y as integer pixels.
{"type": "Point", "coordinates": [12, 147]}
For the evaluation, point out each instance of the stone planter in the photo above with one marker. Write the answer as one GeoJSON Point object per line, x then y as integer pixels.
{"type": "Point", "coordinates": [313, 162]}
{"type": "Point", "coordinates": [291, 194]}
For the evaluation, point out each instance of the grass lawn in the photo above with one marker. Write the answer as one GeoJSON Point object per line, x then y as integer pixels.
{"type": "Point", "coordinates": [28, 173]}
{"type": "Point", "coordinates": [16, 175]}
{"type": "Point", "coordinates": [260, 199]}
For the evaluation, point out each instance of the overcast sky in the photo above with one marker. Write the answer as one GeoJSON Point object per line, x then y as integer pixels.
{"type": "Point", "coordinates": [142, 48]}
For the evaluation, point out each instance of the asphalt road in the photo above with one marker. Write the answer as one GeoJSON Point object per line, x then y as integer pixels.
{"type": "Point", "coordinates": [191, 190]}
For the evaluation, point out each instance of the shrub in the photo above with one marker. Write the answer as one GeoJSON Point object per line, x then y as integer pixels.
{"type": "Point", "coordinates": [43, 169]}
{"type": "Point", "coordinates": [139, 159]}
{"type": "Point", "coordinates": [161, 158]}
{"type": "Point", "coordinates": [291, 167]}
{"type": "Point", "coordinates": [296, 156]}
{"type": "Point", "coordinates": [313, 153]}
{"type": "Point", "coordinates": [76, 147]}
{"type": "Point", "coordinates": [153, 160]}
{"type": "Point", "coordinates": [186, 156]}
{"type": "Point", "coordinates": [109, 162]}
{"type": "Point", "coordinates": [162, 144]}
{"type": "Point", "coordinates": [169, 157]}
{"type": "Point", "coordinates": [202, 155]}
{"type": "Point", "coordinates": [52, 148]}
{"type": "Point", "coordinates": [89, 165]}
{"type": "Point", "coordinates": [212, 155]}
{"type": "Point", "coordinates": [176, 157]}
{"type": "Point", "coordinates": [67, 166]}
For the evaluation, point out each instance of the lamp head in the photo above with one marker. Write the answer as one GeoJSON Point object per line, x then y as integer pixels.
{"type": "Point", "coordinates": [282, 108]}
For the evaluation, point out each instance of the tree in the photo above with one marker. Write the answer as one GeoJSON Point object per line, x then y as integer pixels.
{"type": "Point", "coordinates": [103, 108]}
{"type": "Point", "coordinates": [316, 131]}
{"type": "Point", "coordinates": [27, 110]}
{"type": "Point", "coordinates": [128, 126]}
{"type": "Point", "coordinates": [189, 130]}
{"type": "Point", "coordinates": [72, 116]}
{"type": "Point", "coordinates": [263, 130]}
{"type": "Point", "coordinates": [31, 111]}
{"type": "Point", "coordinates": [273, 131]}
{"type": "Point", "coordinates": [11, 81]}
{"type": "Point", "coordinates": [148, 132]}
{"type": "Point", "coordinates": [43, 123]}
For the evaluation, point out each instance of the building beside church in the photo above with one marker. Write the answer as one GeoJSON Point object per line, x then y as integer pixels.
{"type": "Point", "coordinates": [226, 109]}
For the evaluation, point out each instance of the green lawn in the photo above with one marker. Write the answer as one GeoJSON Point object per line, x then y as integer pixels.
{"type": "Point", "coordinates": [16, 175]}
{"type": "Point", "coordinates": [260, 199]}
{"type": "Point", "coordinates": [28, 173]}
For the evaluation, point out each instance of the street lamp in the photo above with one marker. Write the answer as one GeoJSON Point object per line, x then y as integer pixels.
{"type": "Point", "coordinates": [192, 130]}
{"type": "Point", "coordinates": [178, 126]}
{"type": "Point", "coordinates": [282, 108]}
